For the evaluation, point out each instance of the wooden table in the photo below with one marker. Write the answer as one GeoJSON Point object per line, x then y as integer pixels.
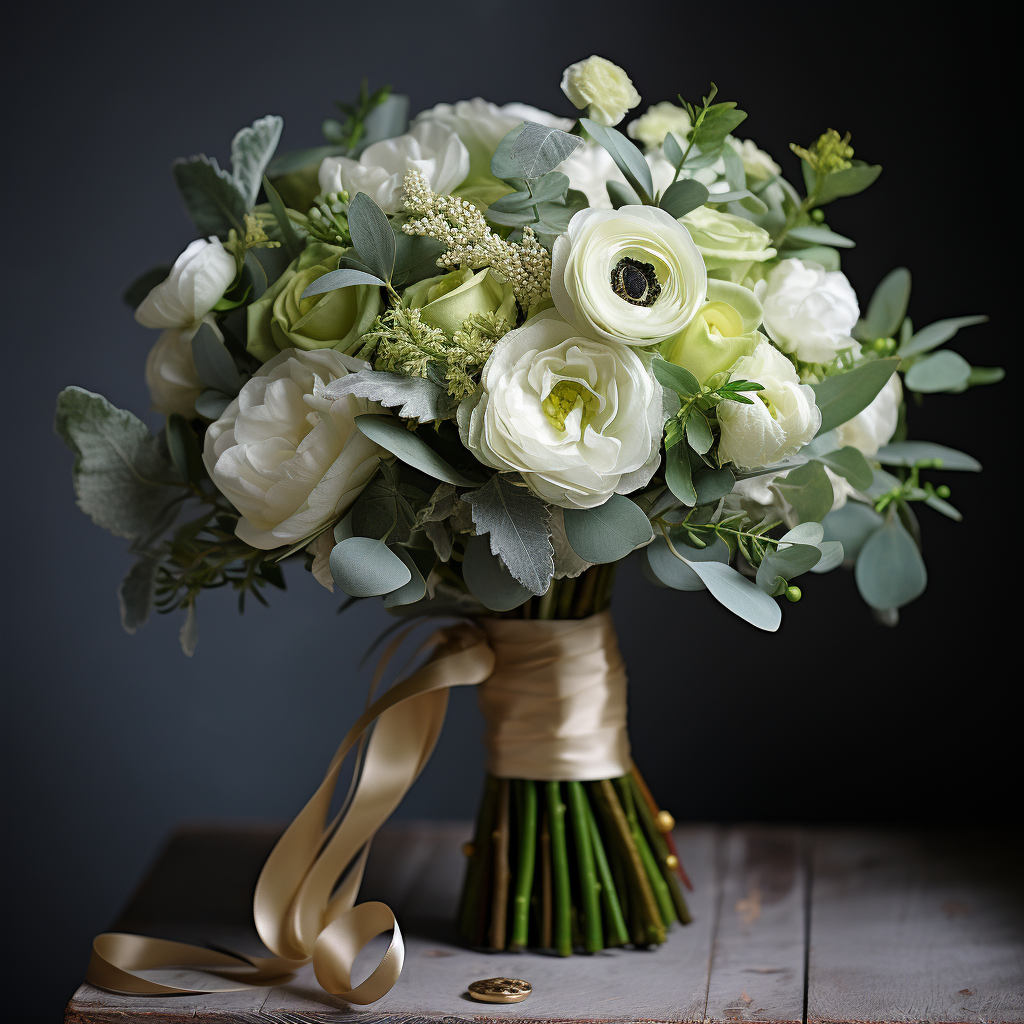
{"type": "Point", "coordinates": [790, 924]}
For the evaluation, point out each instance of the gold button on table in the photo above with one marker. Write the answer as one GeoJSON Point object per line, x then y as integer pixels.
{"type": "Point", "coordinates": [500, 990]}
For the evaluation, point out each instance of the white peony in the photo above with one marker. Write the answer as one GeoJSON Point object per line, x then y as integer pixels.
{"type": "Point", "coordinates": [197, 282]}
{"type": "Point", "coordinates": [171, 376]}
{"type": "Point", "coordinates": [602, 86]}
{"type": "Point", "coordinates": [808, 310]}
{"type": "Point", "coordinates": [781, 420]}
{"type": "Point", "coordinates": [286, 456]}
{"type": "Point", "coordinates": [631, 275]}
{"type": "Point", "coordinates": [481, 126]}
{"type": "Point", "coordinates": [874, 426]}
{"type": "Point", "coordinates": [437, 152]}
{"type": "Point", "coordinates": [579, 419]}
{"type": "Point", "coordinates": [660, 119]}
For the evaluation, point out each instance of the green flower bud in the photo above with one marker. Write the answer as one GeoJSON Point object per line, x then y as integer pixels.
{"type": "Point", "coordinates": [282, 319]}
{"type": "Point", "coordinates": [448, 300]}
{"type": "Point", "coordinates": [793, 594]}
{"type": "Point", "coordinates": [942, 491]}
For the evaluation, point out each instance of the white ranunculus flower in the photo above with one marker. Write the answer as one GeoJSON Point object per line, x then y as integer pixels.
{"type": "Point", "coordinates": [196, 283]}
{"type": "Point", "coordinates": [808, 310]}
{"type": "Point", "coordinates": [756, 162]}
{"type": "Point", "coordinates": [782, 418]}
{"type": "Point", "coordinates": [481, 126]}
{"type": "Point", "coordinates": [660, 119]}
{"type": "Point", "coordinates": [286, 456]}
{"type": "Point", "coordinates": [631, 275]}
{"type": "Point", "coordinates": [434, 150]}
{"type": "Point", "coordinates": [602, 86]}
{"type": "Point", "coordinates": [874, 426]}
{"type": "Point", "coordinates": [579, 419]}
{"type": "Point", "coordinates": [171, 376]}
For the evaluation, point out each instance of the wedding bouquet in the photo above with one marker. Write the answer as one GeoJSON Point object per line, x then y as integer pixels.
{"type": "Point", "coordinates": [471, 362]}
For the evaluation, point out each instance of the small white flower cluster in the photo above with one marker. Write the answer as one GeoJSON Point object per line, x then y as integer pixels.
{"type": "Point", "coordinates": [471, 243]}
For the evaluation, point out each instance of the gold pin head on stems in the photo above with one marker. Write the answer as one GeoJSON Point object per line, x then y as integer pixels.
{"type": "Point", "coordinates": [665, 821]}
{"type": "Point", "coordinates": [500, 990]}
{"type": "Point", "coordinates": [672, 862]}
{"type": "Point", "coordinates": [468, 849]}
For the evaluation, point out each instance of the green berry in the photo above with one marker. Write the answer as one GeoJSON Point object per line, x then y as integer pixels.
{"type": "Point", "coordinates": [793, 594]}
{"type": "Point", "coordinates": [942, 491]}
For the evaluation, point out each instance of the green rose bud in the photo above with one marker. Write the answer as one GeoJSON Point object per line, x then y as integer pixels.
{"type": "Point", "coordinates": [723, 330]}
{"type": "Point", "coordinates": [448, 300]}
{"type": "Point", "coordinates": [282, 319]}
{"type": "Point", "coordinates": [728, 243]}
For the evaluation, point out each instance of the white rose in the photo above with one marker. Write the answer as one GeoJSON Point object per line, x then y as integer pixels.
{"type": "Point", "coordinates": [782, 418]}
{"type": "Point", "coordinates": [757, 164]}
{"type": "Point", "coordinates": [481, 126]}
{"type": "Point", "coordinates": [287, 457]}
{"type": "Point", "coordinates": [631, 275]}
{"type": "Point", "coordinates": [196, 283]}
{"type": "Point", "coordinates": [808, 310]}
{"type": "Point", "coordinates": [874, 426]}
{"type": "Point", "coordinates": [660, 119]}
{"type": "Point", "coordinates": [171, 376]}
{"type": "Point", "coordinates": [601, 85]}
{"type": "Point", "coordinates": [579, 419]}
{"type": "Point", "coordinates": [435, 151]}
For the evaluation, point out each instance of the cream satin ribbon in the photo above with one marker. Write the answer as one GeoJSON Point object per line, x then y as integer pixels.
{"type": "Point", "coordinates": [555, 691]}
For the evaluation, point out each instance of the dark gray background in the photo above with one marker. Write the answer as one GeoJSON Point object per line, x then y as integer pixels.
{"type": "Point", "coordinates": [112, 740]}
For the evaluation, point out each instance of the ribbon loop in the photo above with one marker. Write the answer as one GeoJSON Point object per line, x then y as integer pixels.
{"type": "Point", "coordinates": [555, 702]}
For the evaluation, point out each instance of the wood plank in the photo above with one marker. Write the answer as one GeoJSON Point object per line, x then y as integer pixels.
{"type": "Point", "coordinates": [916, 927]}
{"type": "Point", "coordinates": [417, 869]}
{"type": "Point", "coordinates": [757, 972]}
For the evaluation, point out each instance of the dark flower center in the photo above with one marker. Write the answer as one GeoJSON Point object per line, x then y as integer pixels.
{"type": "Point", "coordinates": [635, 282]}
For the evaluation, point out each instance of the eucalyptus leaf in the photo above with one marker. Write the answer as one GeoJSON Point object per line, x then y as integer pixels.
{"type": "Point", "coordinates": [414, 398]}
{"type": "Point", "coordinates": [539, 148]}
{"type": "Point", "coordinates": [805, 533]}
{"type": "Point", "coordinates": [808, 490]}
{"type": "Point", "coordinates": [675, 573]}
{"type": "Point", "coordinates": [415, 258]}
{"type": "Point", "coordinates": [711, 485]}
{"type": "Point", "coordinates": [387, 120]}
{"type": "Point", "coordinates": [608, 532]}
{"type": "Point", "coordinates": [851, 526]}
{"type": "Point", "coordinates": [906, 453]}
{"type": "Point", "coordinates": [366, 567]}
{"type": "Point", "coordinates": [123, 476]}
{"type": "Point", "coordinates": [290, 241]}
{"type": "Point", "coordinates": [719, 121]}
{"type": "Point", "coordinates": [214, 365]}
{"type": "Point", "coordinates": [890, 571]}
{"type": "Point", "coordinates": [683, 196]}
{"type": "Point", "coordinates": [823, 254]}
{"type": "Point", "coordinates": [698, 432]}
{"type": "Point", "coordinates": [937, 334]}
{"type": "Point", "coordinates": [849, 462]}
{"type": "Point", "coordinates": [372, 235]}
{"type": "Point", "coordinates": [414, 590]}
{"type": "Point", "coordinates": [941, 371]}
{"type": "Point", "coordinates": [985, 375]}
{"type": "Point", "coordinates": [340, 279]}
{"type": "Point", "coordinates": [841, 397]}
{"type": "Point", "coordinates": [672, 150]}
{"type": "Point", "coordinates": [847, 182]}
{"type": "Point", "coordinates": [832, 555]}
{"type": "Point", "coordinates": [675, 377]}
{"type": "Point", "coordinates": [184, 449]}
{"type": "Point", "coordinates": [786, 564]}
{"type": "Point", "coordinates": [888, 306]}
{"type": "Point", "coordinates": [135, 594]}
{"type": "Point", "coordinates": [621, 194]}
{"type": "Point", "coordinates": [741, 596]}
{"type": "Point", "coordinates": [488, 579]}
{"type": "Point", "coordinates": [389, 433]}
{"type": "Point", "coordinates": [820, 236]}
{"type": "Point", "coordinates": [627, 157]}
{"type": "Point", "coordinates": [516, 522]}
{"type": "Point", "coordinates": [678, 474]}
{"type": "Point", "coordinates": [212, 403]}
{"type": "Point", "coordinates": [251, 152]}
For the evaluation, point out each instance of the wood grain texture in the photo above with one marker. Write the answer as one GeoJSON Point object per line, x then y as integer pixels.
{"type": "Point", "coordinates": [916, 927]}
{"type": "Point", "coordinates": [757, 973]}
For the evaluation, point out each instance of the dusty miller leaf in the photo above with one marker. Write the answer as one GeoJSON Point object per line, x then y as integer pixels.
{"type": "Point", "coordinates": [414, 397]}
{"type": "Point", "coordinates": [251, 152]}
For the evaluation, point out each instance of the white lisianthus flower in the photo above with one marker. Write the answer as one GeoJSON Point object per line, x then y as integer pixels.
{"type": "Point", "coordinates": [782, 418]}
{"type": "Point", "coordinates": [631, 275]}
{"type": "Point", "coordinates": [481, 126]}
{"type": "Point", "coordinates": [197, 282]}
{"type": "Point", "coordinates": [874, 426]}
{"type": "Point", "coordinates": [808, 310]}
{"type": "Point", "coordinates": [579, 419]}
{"type": "Point", "coordinates": [757, 164]}
{"type": "Point", "coordinates": [601, 85]}
{"type": "Point", "coordinates": [289, 458]}
{"type": "Point", "coordinates": [171, 376]}
{"type": "Point", "coordinates": [430, 148]}
{"type": "Point", "coordinates": [660, 119]}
